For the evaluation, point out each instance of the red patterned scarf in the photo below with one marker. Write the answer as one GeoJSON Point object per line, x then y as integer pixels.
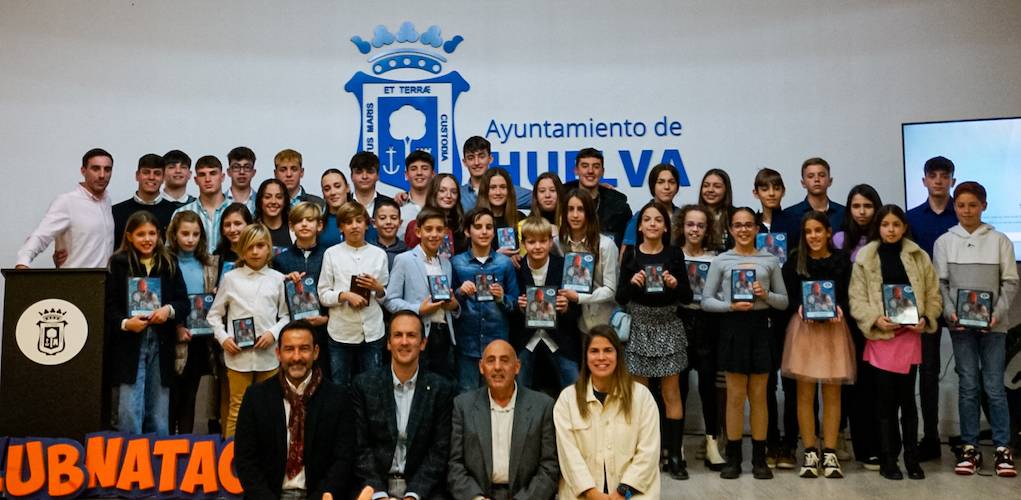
{"type": "Point", "coordinates": [296, 422]}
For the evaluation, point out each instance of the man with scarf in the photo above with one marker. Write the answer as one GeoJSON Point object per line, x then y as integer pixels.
{"type": "Point", "coordinates": [291, 442]}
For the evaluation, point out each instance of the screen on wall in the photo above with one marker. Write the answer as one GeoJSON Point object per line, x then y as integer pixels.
{"type": "Point", "coordinates": [987, 151]}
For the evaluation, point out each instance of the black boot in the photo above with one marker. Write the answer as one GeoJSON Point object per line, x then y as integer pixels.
{"type": "Point", "coordinates": [674, 448]}
{"type": "Point", "coordinates": [929, 448]}
{"type": "Point", "coordinates": [732, 469]}
{"type": "Point", "coordinates": [760, 470]}
{"type": "Point", "coordinates": [911, 462]}
{"type": "Point", "coordinates": [888, 468]}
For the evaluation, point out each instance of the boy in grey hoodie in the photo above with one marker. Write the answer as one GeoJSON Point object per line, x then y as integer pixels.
{"type": "Point", "coordinates": [974, 256]}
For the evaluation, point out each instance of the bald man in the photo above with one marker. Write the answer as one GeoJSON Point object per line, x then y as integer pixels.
{"type": "Point", "coordinates": [502, 444]}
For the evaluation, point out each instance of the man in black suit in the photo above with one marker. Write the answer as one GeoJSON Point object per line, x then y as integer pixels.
{"type": "Point", "coordinates": [503, 444]}
{"type": "Point", "coordinates": [293, 439]}
{"type": "Point", "coordinates": [402, 419]}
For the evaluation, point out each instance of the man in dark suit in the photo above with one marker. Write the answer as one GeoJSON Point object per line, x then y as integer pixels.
{"type": "Point", "coordinates": [402, 419]}
{"type": "Point", "coordinates": [503, 444]}
{"type": "Point", "coordinates": [292, 436]}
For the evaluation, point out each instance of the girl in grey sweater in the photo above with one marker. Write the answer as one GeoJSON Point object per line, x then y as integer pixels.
{"type": "Point", "coordinates": [745, 342]}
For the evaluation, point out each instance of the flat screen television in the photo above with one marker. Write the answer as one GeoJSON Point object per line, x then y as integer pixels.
{"type": "Point", "coordinates": [984, 150]}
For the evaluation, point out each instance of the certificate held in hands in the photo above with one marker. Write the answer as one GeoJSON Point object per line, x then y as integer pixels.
{"type": "Point", "coordinates": [439, 287]}
{"type": "Point", "coordinates": [818, 300]}
{"type": "Point", "coordinates": [540, 310]}
{"type": "Point", "coordinates": [196, 322]}
{"type": "Point", "coordinates": [900, 305]}
{"type": "Point", "coordinates": [301, 298]}
{"type": "Point", "coordinates": [741, 285]}
{"type": "Point", "coordinates": [143, 296]}
{"type": "Point", "coordinates": [578, 270]}
{"type": "Point", "coordinates": [974, 308]}
{"type": "Point", "coordinates": [357, 289]}
{"type": "Point", "coordinates": [244, 332]}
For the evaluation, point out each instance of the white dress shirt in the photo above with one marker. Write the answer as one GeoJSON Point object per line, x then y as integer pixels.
{"type": "Point", "coordinates": [245, 293]}
{"type": "Point", "coordinates": [340, 263]}
{"type": "Point", "coordinates": [81, 223]}
{"type": "Point", "coordinates": [298, 481]}
{"type": "Point", "coordinates": [502, 423]}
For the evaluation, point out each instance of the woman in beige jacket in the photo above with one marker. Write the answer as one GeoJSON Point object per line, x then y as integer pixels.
{"type": "Point", "coordinates": [893, 349]}
{"type": "Point", "coordinates": [607, 428]}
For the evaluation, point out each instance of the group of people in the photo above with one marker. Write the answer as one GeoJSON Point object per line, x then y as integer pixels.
{"type": "Point", "coordinates": [446, 390]}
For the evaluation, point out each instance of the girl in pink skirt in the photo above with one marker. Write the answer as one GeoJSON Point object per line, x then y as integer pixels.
{"type": "Point", "coordinates": [818, 347]}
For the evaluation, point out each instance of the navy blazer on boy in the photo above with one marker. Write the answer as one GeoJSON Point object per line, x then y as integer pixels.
{"type": "Point", "coordinates": [566, 334]}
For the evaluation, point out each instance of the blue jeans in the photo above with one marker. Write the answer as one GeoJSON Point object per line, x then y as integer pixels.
{"type": "Point", "coordinates": [143, 406]}
{"type": "Point", "coordinates": [468, 375]}
{"type": "Point", "coordinates": [980, 364]}
{"type": "Point", "coordinates": [344, 357]}
{"type": "Point", "coordinates": [567, 370]}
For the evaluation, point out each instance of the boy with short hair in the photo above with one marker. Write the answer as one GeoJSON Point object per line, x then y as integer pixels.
{"type": "Point", "coordinates": [976, 257]}
{"type": "Point", "coordinates": [560, 345]}
{"type": "Point", "coordinates": [287, 168]}
{"type": "Point", "coordinates": [419, 169]}
{"type": "Point", "coordinates": [408, 289]}
{"type": "Point", "coordinates": [928, 221]}
{"type": "Point", "coordinates": [176, 173]}
{"type": "Point", "coordinates": [211, 203]}
{"type": "Point", "coordinates": [355, 326]}
{"type": "Point", "coordinates": [816, 179]}
{"type": "Point", "coordinates": [481, 322]}
{"type": "Point", "coordinates": [241, 170]}
{"type": "Point", "coordinates": [769, 190]}
{"type": "Point", "coordinates": [304, 258]}
{"type": "Point", "coordinates": [386, 220]}
{"type": "Point", "coordinates": [477, 156]}
{"type": "Point", "coordinates": [364, 176]}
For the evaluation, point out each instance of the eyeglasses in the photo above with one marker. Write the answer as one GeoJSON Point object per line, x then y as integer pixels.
{"type": "Point", "coordinates": [744, 225]}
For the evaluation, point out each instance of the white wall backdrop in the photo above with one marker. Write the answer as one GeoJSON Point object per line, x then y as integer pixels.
{"type": "Point", "coordinates": [752, 83]}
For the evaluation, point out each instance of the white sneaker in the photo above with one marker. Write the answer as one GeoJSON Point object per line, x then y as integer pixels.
{"type": "Point", "coordinates": [810, 465]}
{"type": "Point", "coordinates": [831, 465]}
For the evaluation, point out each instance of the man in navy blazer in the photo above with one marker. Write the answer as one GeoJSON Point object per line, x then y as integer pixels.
{"type": "Point", "coordinates": [402, 419]}
{"type": "Point", "coordinates": [269, 416]}
{"type": "Point", "coordinates": [503, 444]}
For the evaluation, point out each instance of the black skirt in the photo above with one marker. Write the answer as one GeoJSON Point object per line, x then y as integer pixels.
{"type": "Point", "coordinates": [746, 343]}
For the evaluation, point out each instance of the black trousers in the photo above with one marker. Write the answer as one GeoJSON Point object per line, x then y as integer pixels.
{"type": "Point", "coordinates": [438, 356]}
{"type": "Point", "coordinates": [789, 386]}
{"type": "Point", "coordinates": [702, 345]}
{"type": "Point", "coordinates": [928, 382]}
{"type": "Point", "coordinates": [897, 397]}
{"type": "Point", "coordinates": [861, 413]}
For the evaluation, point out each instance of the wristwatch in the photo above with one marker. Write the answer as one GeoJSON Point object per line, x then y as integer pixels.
{"type": "Point", "coordinates": [625, 490]}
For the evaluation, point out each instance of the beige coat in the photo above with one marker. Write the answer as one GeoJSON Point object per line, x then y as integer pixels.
{"type": "Point", "coordinates": [630, 451]}
{"type": "Point", "coordinates": [866, 292]}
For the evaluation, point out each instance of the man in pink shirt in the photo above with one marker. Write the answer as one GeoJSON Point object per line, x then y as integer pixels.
{"type": "Point", "coordinates": [80, 220]}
